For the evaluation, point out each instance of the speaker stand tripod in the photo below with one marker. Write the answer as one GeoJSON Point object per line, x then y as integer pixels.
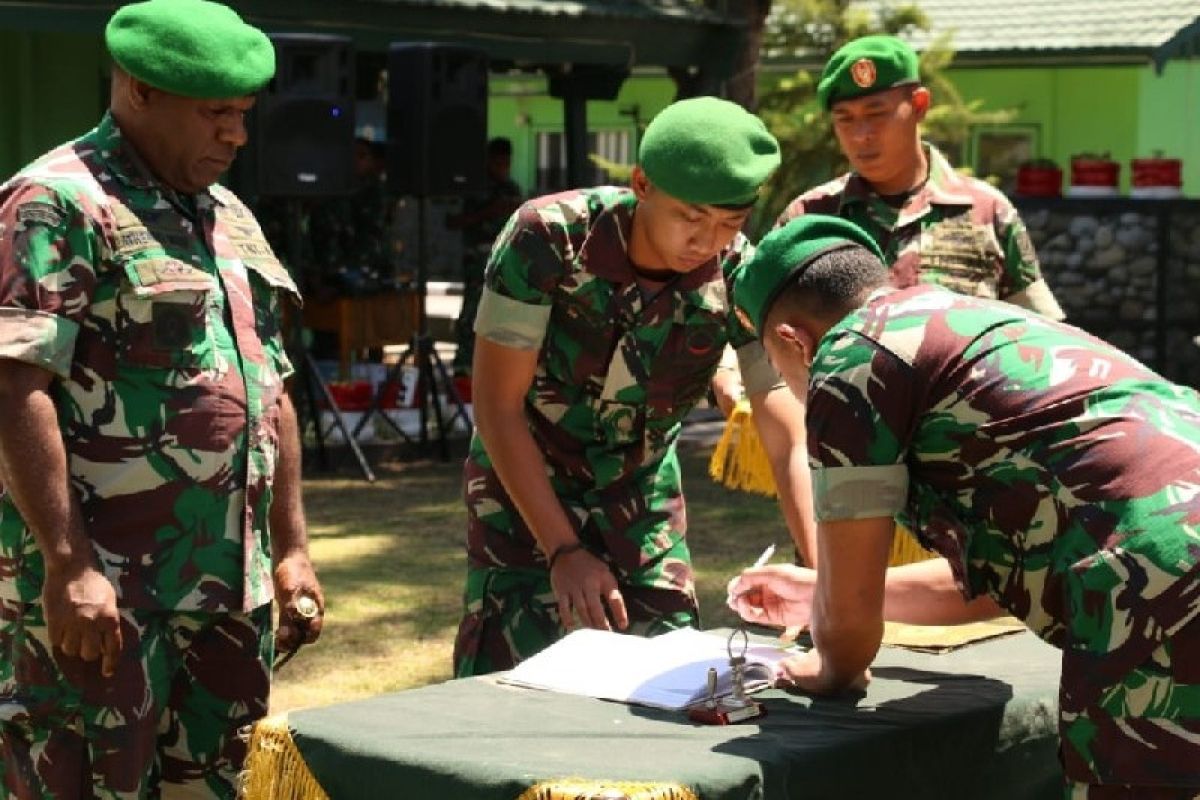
{"type": "Point", "coordinates": [316, 393]}
{"type": "Point", "coordinates": [422, 353]}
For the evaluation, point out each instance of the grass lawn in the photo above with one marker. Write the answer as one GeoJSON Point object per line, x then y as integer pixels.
{"type": "Point", "coordinates": [390, 557]}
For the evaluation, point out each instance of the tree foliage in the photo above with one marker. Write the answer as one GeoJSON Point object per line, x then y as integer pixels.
{"type": "Point", "coordinates": [808, 32]}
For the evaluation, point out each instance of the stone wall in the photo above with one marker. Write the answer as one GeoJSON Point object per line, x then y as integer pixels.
{"type": "Point", "coordinates": [1128, 271]}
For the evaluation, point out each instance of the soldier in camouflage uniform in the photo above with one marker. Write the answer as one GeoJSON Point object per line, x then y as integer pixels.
{"type": "Point", "coordinates": [1016, 446]}
{"type": "Point", "coordinates": [604, 314]}
{"type": "Point", "coordinates": [933, 224]}
{"type": "Point", "coordinates": [149, 449]}
{"type": "Point", "coordinates": [351, 232]}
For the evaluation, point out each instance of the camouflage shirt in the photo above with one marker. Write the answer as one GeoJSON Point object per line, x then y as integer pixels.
{"type": "Point", "coordinates": [158, 315]}
{"type": "Point", "coordinates": [955, 231]}
{"type": "Point", "coordinates": [617, 370]}
{"type": "Point", "coordinates": [353, 232]}
{"type": "Point", "coordinates": [1017, 448]}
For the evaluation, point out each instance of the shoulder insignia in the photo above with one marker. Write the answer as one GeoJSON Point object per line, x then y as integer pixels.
{"type": "Point", "coordinates": [37, 212]}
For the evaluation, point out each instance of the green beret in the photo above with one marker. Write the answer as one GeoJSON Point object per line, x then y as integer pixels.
{"type": "Point", "coordinates": [193, 48]}
{"type": "Point", "coordinates": [708, 151]}
{"type": "Point", "coordinates": [786, 252]}
{"type": "Point", "coordinates": [867, 65]}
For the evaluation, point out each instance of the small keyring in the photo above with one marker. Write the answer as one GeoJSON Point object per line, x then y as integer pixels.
{"type": "Point", "coordinates": [745, 642]}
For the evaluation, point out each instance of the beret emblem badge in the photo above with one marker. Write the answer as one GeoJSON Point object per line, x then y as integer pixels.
{"type": "Point", "coordinates": [863, 73]}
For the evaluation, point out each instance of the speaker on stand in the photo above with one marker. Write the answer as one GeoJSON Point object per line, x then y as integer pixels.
{"type": "Point", "coordinates": [302, 146]}
{"type": "Point", "coordinates": [437, 142]}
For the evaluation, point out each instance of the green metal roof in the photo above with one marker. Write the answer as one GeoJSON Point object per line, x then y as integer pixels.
{"type": "Point", "coordinates": [1059, 31]}
{"type": "Point", "coordinates": [1063, 25]}
{"type": "Point", "coordinates": [619, 33]}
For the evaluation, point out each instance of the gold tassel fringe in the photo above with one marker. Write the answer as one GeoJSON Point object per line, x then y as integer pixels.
{"type": "Point", "coordinates": [740, 462]}
{"type": "Point", "coordinates": [590, 789]}
{"type": "Point", "coordinates": [906, 549]}
{"type": "Point", "coordinates": [274, 769]}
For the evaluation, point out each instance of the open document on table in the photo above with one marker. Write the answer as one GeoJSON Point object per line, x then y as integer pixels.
{"type": "Point", "coordinates": [668, 671]}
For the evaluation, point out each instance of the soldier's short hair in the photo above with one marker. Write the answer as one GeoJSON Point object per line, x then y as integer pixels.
{"type": "Point", "coordinates": [834, 284]}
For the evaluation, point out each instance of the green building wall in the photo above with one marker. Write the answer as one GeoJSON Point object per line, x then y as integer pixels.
{"type": "Point", "coordinates": [1125, 111]}
{"type": "Point", "coordinates": [1170, 117]}
{"type": "Point", "coordinates": [520, 109]}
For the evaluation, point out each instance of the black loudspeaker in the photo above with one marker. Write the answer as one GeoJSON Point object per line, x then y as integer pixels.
{"type": "Point", "coordinates": [437, 118]}
{"type": "Point", "coordinates": [302, 135]}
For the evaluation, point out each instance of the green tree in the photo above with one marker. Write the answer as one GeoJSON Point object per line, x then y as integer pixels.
{"type": "Point", "coordinates": [809, 31]}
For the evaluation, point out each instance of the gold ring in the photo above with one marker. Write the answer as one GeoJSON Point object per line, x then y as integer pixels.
{"type": "Point", "coordinates": [307, 607]}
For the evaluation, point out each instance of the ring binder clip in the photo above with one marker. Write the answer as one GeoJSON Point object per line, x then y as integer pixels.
{"type": "Point", "coordinates": [738, 706]}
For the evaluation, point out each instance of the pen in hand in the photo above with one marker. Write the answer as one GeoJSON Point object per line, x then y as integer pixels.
{"type": "Point", "coordinates": [761, 561]}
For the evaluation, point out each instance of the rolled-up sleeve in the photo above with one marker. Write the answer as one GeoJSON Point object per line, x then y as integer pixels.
{"type": "Point", "coordinates": [757, 373]}
{"type": "Point", "coordinates": [860, 416]}
{"type": "Point", "coordinates": [526, 263]}
{"type": "Point", "coordinates": [511, 323]}
{"type": "Point", "coordinates": [47, 275]}
{"type": "Point", "coordinates": [859, 492]}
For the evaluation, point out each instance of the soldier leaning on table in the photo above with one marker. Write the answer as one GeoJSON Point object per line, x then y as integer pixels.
{"type": "Point", "coordinates": [1058, 478]}
{"type": "Point", "coordinates": [604, 313]}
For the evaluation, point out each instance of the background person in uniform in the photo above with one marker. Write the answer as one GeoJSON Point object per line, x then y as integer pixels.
{"type": "Point", "coordinates": [351, 242]}
{"type": "Point", "coordinates": [933, 224]}
{"type": "Point", "coordinates": [1016, 446]}
{"type": "Point", "coordinates": [481, 220]}
{"type": "Point", "coordinates": [149, 449]}
{"type": "Point", "coordinates": [604, 313]}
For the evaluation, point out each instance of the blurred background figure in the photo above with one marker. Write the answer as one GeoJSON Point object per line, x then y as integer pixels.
{"type": "Point", "coordinates": [481, 220]}
{"type": "Point", "coordinates": [346, 244]}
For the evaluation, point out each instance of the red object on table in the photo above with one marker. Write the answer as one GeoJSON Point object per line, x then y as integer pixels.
{"type": "Point", "coordinates": [352, 395]}
{"type": "Point", "coordinates": [1039, 181]}
{"type": "Point", "coordinates": [1149, 172]}
{"type": "Point", "coordinates": [1087, 171]}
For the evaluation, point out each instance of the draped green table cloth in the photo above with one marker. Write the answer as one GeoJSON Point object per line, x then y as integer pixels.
{"type": "Point", "coordinates": [978, 722]}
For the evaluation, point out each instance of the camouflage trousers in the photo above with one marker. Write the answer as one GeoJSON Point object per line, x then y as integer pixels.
{"type": "Point", "coordinates": [1138, 737]}
{"type": "Point", "coordinates": [165, 725]}
{"type": "Point", "coordinates": [637, 528]}
{"type": "Point", "coordinates": [511, 614]}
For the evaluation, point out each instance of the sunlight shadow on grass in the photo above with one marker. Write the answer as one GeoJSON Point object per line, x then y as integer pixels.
{"type": "Point", "coordinates": [392, 563]}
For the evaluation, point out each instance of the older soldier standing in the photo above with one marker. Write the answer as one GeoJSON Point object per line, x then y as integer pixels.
{"type": "Point", "coordinates": [1017, 447]}
{"type": "Point", "coordinates": [150, 452]}
{"type": "Point", "coordinates": [604, 313]}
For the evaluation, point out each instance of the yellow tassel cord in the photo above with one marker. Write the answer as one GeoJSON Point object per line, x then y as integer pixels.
{"type": "Point", "coordinates": [906, 549]}
{"type": "Point", "coordinates": [587, 789]}
{"type": "Point", "coordinates": [740, 462]}
{"type": "Point", "coordinates": [275, 770]}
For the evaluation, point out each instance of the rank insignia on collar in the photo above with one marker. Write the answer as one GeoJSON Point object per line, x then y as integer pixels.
{"type": "Point", "coordinates": [863, 73]}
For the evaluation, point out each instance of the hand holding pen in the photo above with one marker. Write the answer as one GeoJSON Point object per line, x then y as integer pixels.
{"type": "Point", "coordinates": [761, 561]}
{"type": "Point", "coordinates": [778, 594]}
